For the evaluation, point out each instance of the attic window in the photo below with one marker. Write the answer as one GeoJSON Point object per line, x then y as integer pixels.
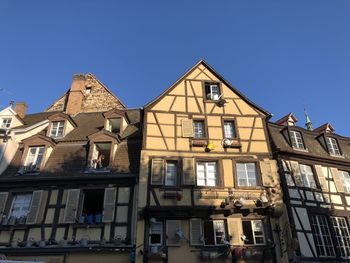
{"type": "Point", "coordinates": [114, 125]}
{"type": "Point", "coordinates": [87, 90]}
{"type": "Point", "coordinates": [57, 129]}
{"type": "Point", "coordinates": [297, 140]}
{"type": "Point", "coordinates": [332, 145]}
{"type": "Point", "coordinates": [212, 91]}
{"type": "Point", "coordinates": [6, 123]}
{"type": "Point", "coordinates": [34, 159]}
{"type": "Point", "coordinates": [101, 155]}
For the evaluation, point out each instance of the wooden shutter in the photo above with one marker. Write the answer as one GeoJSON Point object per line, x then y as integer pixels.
{"type": "Point", "coordinates": [70, 213]}
{"type": "Point", "coordinates": [158, 168]}
{"type": "Point", "coordinates": [188, 171]}
{"type": "Point", "coordinates": [109, 204]}
{"type": "Point", "coordinates": [234, 226]}
{"type": "Point", "coordinates": [321, 178]}
{"type": "Point", "coordinates": [196, 233]}
{"type": "Point", "coordinates": [266, 173]}
{"type": "Point", "coordinates": [172, 226]}
{"type": "Point", "coordinates": [296, 173]}
{"type": "Point", "coordinates": [34, 207]}
{"type": "Point", "coordinates": [3, 199]}
{"type": "Point", "coordinates": [337, 180]}
{"type": "Point", "coordinates": [187, 128]}
{"type": "Point", "coordinates": [286, 166]}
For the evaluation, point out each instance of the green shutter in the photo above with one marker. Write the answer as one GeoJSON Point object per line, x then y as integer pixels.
{"type": "Point", "coordinates": [188, 171]}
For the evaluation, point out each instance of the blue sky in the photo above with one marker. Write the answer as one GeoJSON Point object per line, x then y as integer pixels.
{"type": "Point", "coordinates": [281, 54]}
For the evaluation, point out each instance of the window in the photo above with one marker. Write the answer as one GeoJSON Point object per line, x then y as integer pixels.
{"type": "Point", "coordinates": [214, 232]}
{"type": "Point", "coordinates": [198, 129]}
{"type": "Point", "coordinates": [297, 140]}
{"type": "Point", "coordinates": [114, 125]}
{"type": "Point", "coordinates": [93, 205]}
{"type": "Point", "coordinates": [57, 129]}
{"type": "Point", "coordinates": [253, 231]}
{"type": "Point", "coordinates": [322, 236]}
{"type": "Point", "coordinates": [171, 171]}
{"type": "Point", "coordinates": [155, 233]}
{"type": "Point", "coordinates": [333, 146]}
{"type": "Point", "coordinates": [87, 90]}
{"type": "Point", "coordinates": [34, 158]}
{"type": "Point", "coordinates": [101, 155]}
{"type": "Point", "coordinates": [6, 123]}
{"type": "Point", "coordinates": [212, 91]}
{"type": "Point", "coordinates": [20, 206]}
{"type": "Point", "coordinates": [346, 180]}
{"type": "Point", "coordinates": [206, 174]}
{"type": "Point", "coordinates": [342, 235]}
{"type": "Point", "coordinates": [307, 176]}
{"type": "Point", "coordinates": [246, 174]}
{"type": "Point", "coordinates": [229, 129]}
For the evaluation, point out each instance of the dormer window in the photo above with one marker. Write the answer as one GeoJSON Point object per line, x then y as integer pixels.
{"type": "Point", "coordinates": [114, 125]}
{"type": "Point", "coordinates": [101, 155]}
{"type": "Point", "coordinates": [57, 129]}
{"type": "Point", "coordinates": [34, 159]}
{"type": "Point", "coordinates": [332, 145]}
{"type": "Point", "coordinates": [212, 91]}
{"type": "Point", "coordinates": [297, 140]}
{"type": "Point", "coordinates": [6, 123]}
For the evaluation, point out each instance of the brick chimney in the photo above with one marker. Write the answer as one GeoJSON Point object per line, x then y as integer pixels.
{"type": "Point", "coordinates": [76, 95]}
{"type": "Point", "coordinates": [21, 109]}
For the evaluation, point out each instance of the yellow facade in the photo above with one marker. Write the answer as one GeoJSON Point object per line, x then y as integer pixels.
{"type": "Point", "coordinates": [165, 139]}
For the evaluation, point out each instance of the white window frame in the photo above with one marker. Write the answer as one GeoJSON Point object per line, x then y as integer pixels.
{"type": "Point", "coordinates": [169, 173]}
{"type": "Point", "coordinates": [55, 129]}
{"type": "Point", "coordinates": [199, 132]}
{"type": "Point", "coordinates": [229, 129]}
{"type": "Point", "coordinates": [215, 228]}
{"type": "Point", "coordinates": [6, 123]}
{"type": "Point", "coordinates": [213, 93]}
{"type": "Point", "coordinates": [333, 146]}
{"type": "Point", "coordinates": [35, 157]}
{"type": "Point", "coordinates": [297, 140]}
{"type": "Point", "coordinates": [25, 202]}
{"type": "Point", "coordinates": [206, 176]}
{"type": "Point", "coordinates": [319, 223]}
{"type": "Point", "coordinates": [253, 228]}
{"type": "Point", "coordinates": [307, 176]}
{"type": "Point", "coordinates": [342, 235]}
{"type": "Point", "coordinates": [346, 180]}
{"type": "Point", "coordinates": [156, 231]}
{"type": "Point", "coordinates": [245, 176]}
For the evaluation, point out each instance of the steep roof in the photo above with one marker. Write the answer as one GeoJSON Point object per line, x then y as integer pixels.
{"type": "Point", "coordinates": [212, 70]}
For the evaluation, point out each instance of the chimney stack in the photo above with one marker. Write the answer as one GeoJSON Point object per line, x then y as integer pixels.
{"type": "Point", "coordinates": [76, 95]}
{"type": "Point", "coordinates": [21, 109]}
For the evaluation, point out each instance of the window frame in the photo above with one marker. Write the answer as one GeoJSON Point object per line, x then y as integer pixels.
{"type": "Point", "coordinates": [93, 149]}
{"type": "Point", "coordinates": [57, 129]}
{"type": "Point", "coordinates": [205, 129]}
{"type": "Point", "coordinates": [346, 181]}
{"type": "Point", "coordinates": [252, 226]}
{"type": "Point", "coordinates": [301, 137]}
{"type": "Point", "coordinates": [313, 176]}
{"type": "Point", "coordinates": [225, 236]}
{"type": "Point", "coordinates": [340, 246]}
{"type": "Point", "coordinates": [211, 83]}
{"type": "Point", "coordinates": [14, 195]}
{"type": "Point", "coordinates": [217, 175]}
{"type": "Point", "coordinates": [322, 235]}
{"type": "Point", "coordinates": [5, 123]}
{"type": "Point", "coordinates": [177, 177]}
{"type": "Point", "coordinates": [258, 174]}
{"type": "Point", "coordinates": [330, 146]}
{"type": "Point", "coordinates": [235, 130]}
{"type": "Point", "coordinates": [25, 163]}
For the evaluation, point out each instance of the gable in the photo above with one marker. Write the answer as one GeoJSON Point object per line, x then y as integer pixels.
{"type": "Point", "coordinates": [10, 113]}
{"type": "Point", "coordinates": [187, 95]}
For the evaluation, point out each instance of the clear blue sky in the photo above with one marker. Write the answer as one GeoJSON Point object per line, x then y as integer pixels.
{"type": "Point", "coordinates": [281, 54]}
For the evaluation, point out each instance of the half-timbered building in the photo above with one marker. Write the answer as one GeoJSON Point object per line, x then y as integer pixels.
{"type": "Point", "coordinates": [67, 194]}
{"type": "Point", "coordinates": [208, 189]}
{"type": "Point", "coordinates": [314, 167]}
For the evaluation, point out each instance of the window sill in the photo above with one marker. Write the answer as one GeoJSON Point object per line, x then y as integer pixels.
{"type": "Point", "coordinates": [86, 225]}
{"type": "Point", "coordinates": [337, 156]}
{"type": "Point", "coordinates": [98, 170]}
{"type": "Point", "coordinates": [301, 150]}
